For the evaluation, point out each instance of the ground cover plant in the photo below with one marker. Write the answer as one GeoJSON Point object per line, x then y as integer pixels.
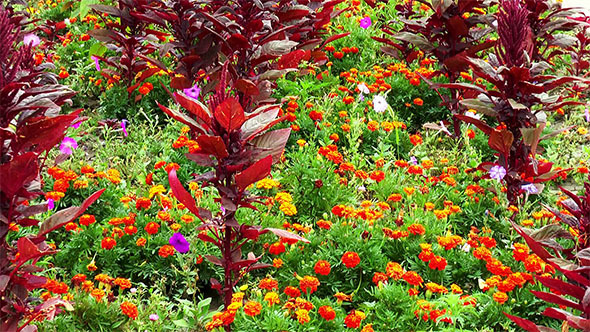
{"type": "Point", "coordinates": [322, 165]}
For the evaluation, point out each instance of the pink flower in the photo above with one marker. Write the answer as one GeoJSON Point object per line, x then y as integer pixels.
{"type": "Point", "coordinates": [67, 145]}
{"type": "Point", "coordinates": [31, 39]}
{"type": "Point", "coordinates": [365, 22]}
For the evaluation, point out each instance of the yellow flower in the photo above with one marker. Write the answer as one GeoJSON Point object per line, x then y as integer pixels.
{"type": "Point", "coordinates": [272, 298]}
{"type": "Point", "coordinates": [288, 209]}
{"type": "Point", "coordinates": [267, 184]}
{"type": "Point", "coordinates": [159, 189]}
{"type": "Point", "coordinates": [283, 197]}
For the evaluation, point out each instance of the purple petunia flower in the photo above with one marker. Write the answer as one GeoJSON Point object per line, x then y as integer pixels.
{"type": "Point", "coordinates": [365, 22]}
{"type": "Point", "coordinates": [31, 39]}
{"type": "Point", "coordinates": [68, 145]}
{"type": "Point", "coordinates": [192, 92]}
{"type": "Point", "coordinates": [96, 63]}
{"type": "Point", "coordinates": [530, 188]}
{"type": "Point", "coordinates": [179, 243]}
{"type": "Point", "coordinates": [413, 160]}
{"type": "Point", "coordinates": [154, 317]}
{"type": "Point", "coordinates": [124, 126]}
{"type": "Point", "coordinates": [497, 172]}
{"type": "Point", "coordinates": [587, 115]}
{"type": "Point", "coordinates": [50, 204]}
{"type": "Point", "coordinates": [380, 104]}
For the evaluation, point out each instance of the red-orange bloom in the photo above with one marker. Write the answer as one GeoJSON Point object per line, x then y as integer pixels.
{"type": "Point", "coordinates": [351, 259]}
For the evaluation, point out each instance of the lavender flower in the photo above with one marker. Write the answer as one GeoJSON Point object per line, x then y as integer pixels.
{"type": "Point", "coordinates": [179, 243]}
{"type": "Point", "coordinates": [587, 115]}
{"type": "Point", "coordinates": [68, 145]}
{"type": "Point", "coordinates": [497, 172]}
{"type": "Point", "coordinates": [154, 317]}
{"type": "Point", "coordinates": [192, 92]}
{"type": "Point", "coordinates": [530, 188]}
{"type": "Point", "coordinates": [31, 39]}
{"type": "Point", "coordinates": [365, 22]}
{"type": "Point", "coordinates": [413, 160]}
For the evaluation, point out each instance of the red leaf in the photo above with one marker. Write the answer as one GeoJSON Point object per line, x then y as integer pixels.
{"type": "Point", "coordinates": [335, 37]}
{"type": "Point", "coordinates": [549, 297]}
{"type": "Point", "coordinates": [478, 123]}
{"type": "Point", "coordinates": [257, 171]}
{"type": "Point", "coordinates": [292, 59]}
{"type": "Point", "coordinates": [28, 250]}
{"type": "Point", "coordinates": [271, 143]}
{"type": "Point", "coordinates": [501, 141]}
{"type": "Point", "coordinates": [64, 216]}
{"type": "Point", "coordinates": [181, 194]}
{"type": "Point", "coordinates": [230, 115]}
{"type": "Point", "coordinates": [564, 287]}
{"type": "Point", "coordinates": [180, 82]}
{"type": "Point", "coordinates": [179, 116]}
{"type": "Point", "coordinates": [286, 234]}
{"type": "Point", "coordinates": [212, 145]}
{"type": "Point", "coordinates": [195, 107]}
{"type": "Point", "coordinates": [247, 87]}
{"type": "Point", "coordinates": [44, 134]}
{"type": "Point", "coordinates": [524, 323]}
{"type": "Point", "coordinates": [18, 172]}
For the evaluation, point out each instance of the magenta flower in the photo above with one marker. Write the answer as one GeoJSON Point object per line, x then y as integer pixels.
{"type": "Point", "coordinates": [96, 63]}
{"type": "Point", "coordinates": [192, 92]}
{"type": "Point", "coordinates": [124, 126]}
{"type": "Point", "coordinates": [154, 317]}
{"type": "Point", "coordinates": [179, 243]}
{"type": "Point", "coordinates": [68, 145]}
{"type": "Point", "coordinates": [50, 204]}
{"type": "Point", "coordinates": [497, 172]}
{"type": "Point", "coordinates": [365, 22]}
{"type": "Point", "coordinates": [587, 115]}
{"type": "Point", "coordinates": [31, 39]}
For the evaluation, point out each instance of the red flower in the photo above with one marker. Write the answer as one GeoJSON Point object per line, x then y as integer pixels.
{"type": "Point", "coordinates": [276, 248]}
{"type": "Point", "coordinates": [351, 259]}
{"type": "Point", "coordinates": [327, 312]}
{"type": "Point", "coordinates": [322, 267]}
{"type": "Point", "coordinates": [309, 284]}
{"type": "Point", "coordinates": [292, 291]}
{"type": "Point", "coordinates": [108, 243]}
{"type": "Point", "coordinates": [152, 228]}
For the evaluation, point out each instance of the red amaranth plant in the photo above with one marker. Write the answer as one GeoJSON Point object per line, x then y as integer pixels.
{"type": "Point", "coordinates": [241, 151]}
{"type": "Point", "coordinates": [573, 263]}
{"type": "Point", "coordinates": [30, 100]}
{"type": "Point", "coordinates": [129, 35]}
{"type": "Point", "coordinates": [449, 31]}
{"type": "Point", "coordinates": [519, 96]}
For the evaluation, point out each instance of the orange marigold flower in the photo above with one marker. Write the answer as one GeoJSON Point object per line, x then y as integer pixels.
{"type": "Point", "coordinates": [413, 278]}
{"type": "Point", "coordinates": [354, 318]}
{"type": "Point", "coordinates": [417, 229]}
{"type": "Point", "coordinates": [152, 228]}
{"type": "Point", "coordinates": [309, 284]}
{"type": "Point", "coordinates": [268, 284]}
{"type": "Point", "coordinates": [252, 308]}
{"type": "Point", "coordinates": [351, 259]}
{"type": "Point", "coordinates": [500, 297]}
{"type": "Point", "coordinates": [322, 267]}
{"type": "Point", "coordinates": [327, 312]}
{"type": "Point", "coordinates": [129, 309]}
{"type": "Point", "coordinates": [108, 243]}
{"type": "Point", "coordinates": [166, 250]}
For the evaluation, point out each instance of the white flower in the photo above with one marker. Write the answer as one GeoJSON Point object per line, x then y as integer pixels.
{"type": "Point", "coordinates": [380, 104]}
{"type": "Point", "coordinates": [363, 88]}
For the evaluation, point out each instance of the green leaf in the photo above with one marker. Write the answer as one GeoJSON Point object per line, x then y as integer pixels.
{"type": "Point", "coordinates": [96, 49]}
{"type": "Point", "coordinates": [181, 323]}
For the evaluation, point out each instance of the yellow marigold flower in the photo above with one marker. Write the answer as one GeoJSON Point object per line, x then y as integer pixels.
{"type": "Point", "coordinates": [301, 142]}
{"type": "Point", "coordinates": [283, 197]}
{"type": "Point", "coordinates": [272, 298]}
{"type": "Point", "coordinates": [193, 186]}
{"type": "Point", "coordinates": [267, 184]}
{"type": "Point", "coordinates": [288, 209]}
{"type": "Point", "coordinates": [159, 189]}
